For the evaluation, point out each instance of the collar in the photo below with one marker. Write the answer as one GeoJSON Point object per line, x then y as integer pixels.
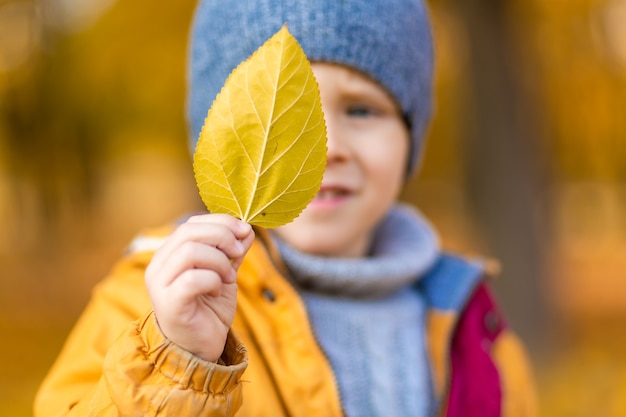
{"type": "Point", "coordinates": [405, 247]}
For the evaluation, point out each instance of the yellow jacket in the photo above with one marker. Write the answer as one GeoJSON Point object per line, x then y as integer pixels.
{"type": "Point", "coordinates": [117, 363]}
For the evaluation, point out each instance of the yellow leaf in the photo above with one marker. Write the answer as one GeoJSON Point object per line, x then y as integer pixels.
{"type": "Point", "coordinates": [261, 153]}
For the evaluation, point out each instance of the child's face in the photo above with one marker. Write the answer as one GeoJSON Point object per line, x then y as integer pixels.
{"type": "Point", "coordinates": [368, 145]}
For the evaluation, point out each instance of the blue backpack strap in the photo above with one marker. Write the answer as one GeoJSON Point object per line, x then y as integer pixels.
{"type": "Point", "coordinates": [451, 281]}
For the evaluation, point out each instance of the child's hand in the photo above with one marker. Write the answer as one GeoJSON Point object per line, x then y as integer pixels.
{"type": "Point", "coordinates": [192, 282]}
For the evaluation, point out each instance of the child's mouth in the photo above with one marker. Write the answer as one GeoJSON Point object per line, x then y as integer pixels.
{"type": "Point", "coordinates": [330, 194]}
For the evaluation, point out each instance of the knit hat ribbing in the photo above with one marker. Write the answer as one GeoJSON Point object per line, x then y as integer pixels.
{"type": "Point", "coordinates": [389, 40]}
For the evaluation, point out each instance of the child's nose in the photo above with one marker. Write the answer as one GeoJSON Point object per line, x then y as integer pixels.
{"type": "Point", "coordinates": [335, 141]}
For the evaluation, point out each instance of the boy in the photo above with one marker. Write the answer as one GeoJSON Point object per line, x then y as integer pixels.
{"type": "Point", "coordinates": [352, 309]}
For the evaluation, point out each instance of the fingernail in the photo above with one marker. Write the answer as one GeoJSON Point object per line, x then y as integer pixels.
{"type": "Point", "coordinates": [244, 227]}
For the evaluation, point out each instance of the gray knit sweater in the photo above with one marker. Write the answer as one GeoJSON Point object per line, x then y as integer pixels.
{"type": "Point", "coordinates": [369, 317]}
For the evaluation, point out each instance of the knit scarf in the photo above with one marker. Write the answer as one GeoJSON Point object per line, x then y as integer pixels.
{"type": "Point", "coordinates": [404, 247]}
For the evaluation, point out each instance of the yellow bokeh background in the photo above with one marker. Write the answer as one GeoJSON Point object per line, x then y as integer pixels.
{"type": "Point", "coordinates": [524, 164]}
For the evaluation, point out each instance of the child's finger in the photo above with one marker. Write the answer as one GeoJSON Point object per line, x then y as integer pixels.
{"type": "Point", "coordinates": [239, 228]}
{"type": "Point", "coordinates": [212, 234]}
{"type": "Point", "coordinates": [246, 242]}
{"type": "Point", "coordinates": [194, 255]}
{"type": "Point", "coordinates": [195, 282]}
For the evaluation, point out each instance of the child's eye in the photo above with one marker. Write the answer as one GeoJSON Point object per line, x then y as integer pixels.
{"type": "Point", "coordinates": [360, 111]}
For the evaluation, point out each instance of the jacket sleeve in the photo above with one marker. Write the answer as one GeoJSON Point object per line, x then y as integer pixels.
{"type": "Point", "coordinates": [116, 362]}
{"type": "Point", "coordinates": [519, 398]}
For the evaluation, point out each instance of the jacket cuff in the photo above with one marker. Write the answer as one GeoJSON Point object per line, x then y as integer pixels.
{"type": "Point", "coordinates": [188, 370]}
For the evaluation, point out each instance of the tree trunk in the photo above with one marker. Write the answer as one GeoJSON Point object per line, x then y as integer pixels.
{"type": "Point", "coordinates": [504, 170]}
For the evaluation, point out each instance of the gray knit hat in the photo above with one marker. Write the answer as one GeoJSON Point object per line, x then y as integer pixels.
{"type": "Point", "coordinates": [389, 40]}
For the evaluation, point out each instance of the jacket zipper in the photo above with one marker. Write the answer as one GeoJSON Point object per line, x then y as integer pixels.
{"type": "Point", "coordinates": [281, 268]}
{"type": "Point", "coordinates": [289, 278]}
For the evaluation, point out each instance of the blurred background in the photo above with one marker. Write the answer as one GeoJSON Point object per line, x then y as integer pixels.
{"type": "Point", "coordinates": [525, 164]}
